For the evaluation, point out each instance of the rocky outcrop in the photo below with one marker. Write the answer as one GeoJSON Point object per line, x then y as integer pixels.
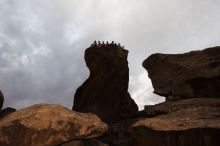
{"type": "Point", "coordinates": [171, 106]}
{"type": "Point", "coordinates": [105, 92]}
{"type": "Point", "coordinates": [191, 126]}
{"type": "Point", "coordinates": [48, 125]}
{"type": "Point", "coordinates": [176, 122]}
{"type": "Point", "coordinates": [179, 121]}
{"type": "Point", "coordinates": [6, 111]}
{"type": "Point", "coordinates": [195, 74]}
{"type": "Point", "coordinates": [1, 100]}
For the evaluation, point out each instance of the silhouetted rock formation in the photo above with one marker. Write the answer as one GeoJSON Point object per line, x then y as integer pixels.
{"type": "Point", "coordinates": [194, 74]}
{"type": "Point", "coordinates": [105, 92]}
{"type": "Point", "coordinates": [1, 100]}
{"type": "Point", "coordinates": [48, 125]}
{"type": "Point", "coordinates": [6, 111]}
{"type": "Point", "coordinates": [185, 122]}
{"type": "Point", "coordinates": [190, 125]}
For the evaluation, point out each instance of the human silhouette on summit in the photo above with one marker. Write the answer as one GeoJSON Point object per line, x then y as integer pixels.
{"type": "Point", "coordinates": [107, 44]}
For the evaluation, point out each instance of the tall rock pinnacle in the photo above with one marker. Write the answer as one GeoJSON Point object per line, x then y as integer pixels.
{"type": "Point", "coordinates": [105, 92]}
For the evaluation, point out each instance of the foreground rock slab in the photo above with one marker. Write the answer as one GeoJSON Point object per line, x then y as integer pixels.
{"type": "Point", "coordinates": [195, 74]}
{"type": "Point", "coordinates": [105, 92]}
{"type": "Point", "coordinates": [48, 125]}
{"type": "Point", "coordinates": [189, 126]}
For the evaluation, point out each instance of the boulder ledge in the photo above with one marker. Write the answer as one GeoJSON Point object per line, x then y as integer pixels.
{"type": "Point", "coordinates": [184, 123]}
{"type": "Point", "coordinates": [190, 75]}
{"type": "Point", "coordinates": [48, 125]}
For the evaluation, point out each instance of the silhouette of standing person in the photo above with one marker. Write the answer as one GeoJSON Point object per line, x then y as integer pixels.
{"type": "Point", "coordinates": [99, 44]}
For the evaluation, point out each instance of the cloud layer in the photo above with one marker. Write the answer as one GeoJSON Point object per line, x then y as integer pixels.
{"type": "Point", "coordinates": [42, 42]}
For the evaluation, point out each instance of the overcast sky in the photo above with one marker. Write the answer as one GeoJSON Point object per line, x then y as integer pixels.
{"type": "Point", "coordinates": [42, 42]}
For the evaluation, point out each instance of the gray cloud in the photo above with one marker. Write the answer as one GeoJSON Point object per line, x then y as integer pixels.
{"type": "Point", "coordinates": [42, 42]}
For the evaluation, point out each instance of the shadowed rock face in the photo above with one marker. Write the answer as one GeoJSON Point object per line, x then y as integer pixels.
{"type": "Point", "coordinates": [192, 137]}
{"type": "Point", "coordinates": [105, 92]}
{"type": "Point", "coordinates": [1, 100]}
{"type": "Point", "coordinates": [87, 142]}
{"type": "Point", "coordinates": [185, 124]}
{"type": "Point", "coordinates": [48, 125]}
{"type": "Point", "coordinates": [6, 111]}
{"type": "Point", "coordinates": [194, 74]}
{"type": "Point", "coordinates": [171, 106]}
{"type": "Point", "coordinates": [188, 122]}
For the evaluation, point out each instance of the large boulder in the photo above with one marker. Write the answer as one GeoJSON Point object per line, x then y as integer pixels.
{"type": "Point", "coordinates": [189, 126]}
{"type": "Point", "coordinates": [48, 125]}
{"type": "Point", "coordinates": [189, 75]}
{"type": "Point", "coordinates": [1, 100]}
{"type": "Point", "coordinates": [105, 92]}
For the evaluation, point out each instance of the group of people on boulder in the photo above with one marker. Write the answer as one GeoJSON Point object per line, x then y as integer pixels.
{"type": "Point", "coordinates": [103, 44]}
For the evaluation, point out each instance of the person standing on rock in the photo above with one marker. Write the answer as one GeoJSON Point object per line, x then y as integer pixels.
{"type": "Point", "coordinates": [112, 44]}
{"type": "Point", "coordinates": [99, 44]}
{"type": "Point", "coordinates": [95, 43]}
{"type": "Point", "coordinates": [103, 44]}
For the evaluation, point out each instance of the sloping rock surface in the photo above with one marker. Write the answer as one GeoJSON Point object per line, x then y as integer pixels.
{"type": "Point", "coordinates": [171, 106]}
{"type": "Point", "coordinates": [105, 92]}
{"type": "Point", "coordinates": [87, 142]}
{"type": "Point", "coordinates": [185, 124]}
{"type": "Point", "coordinates": [48, 125]}
{"type": "Point", "coordinates": [195, 74]}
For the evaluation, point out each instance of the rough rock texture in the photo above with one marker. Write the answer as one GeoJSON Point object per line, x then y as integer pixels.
{"type": "Point", "coordinates": [184, 125]}
{"type": "Point", "coordinates": [87, 142]}
{"type": "Point", "coordinates": [170, 106]}
{"type": "Point", "coordinates": [194, 74]}
{"type": "Point", "coordinates": [105, 92]}
{"type": "Point", "coordinates": [190, 117]}
{"type": "Point", "coordinates": [118, 134]}
{"type": "Point", "coordinates": [1, 100]}
{"type": "Point", "coordinates": [6, 111]}
{"type": "Point", "coordinates": [48, 125]}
